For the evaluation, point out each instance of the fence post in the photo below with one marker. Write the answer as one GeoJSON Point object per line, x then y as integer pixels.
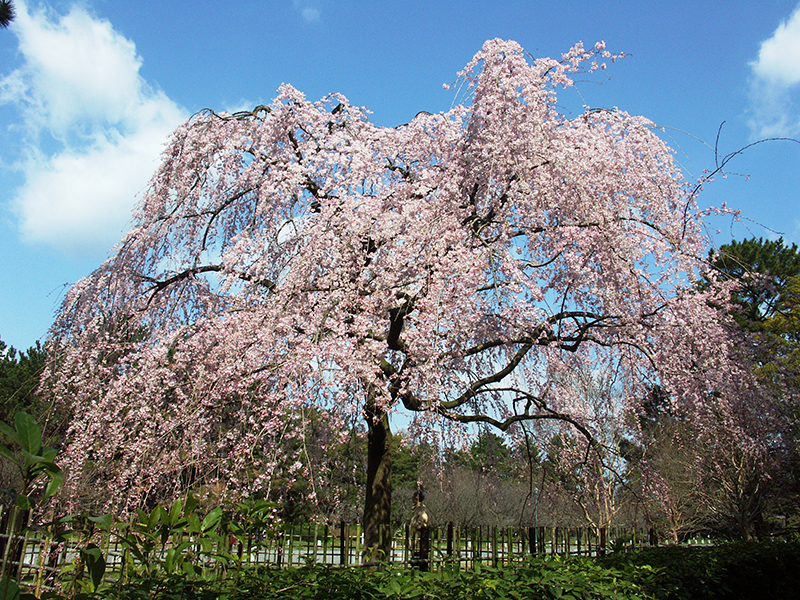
{"type": "Point", "coordinates": [314, 542]}
{"type": "Point", "coordinates": [290, 558]}
{"type": "Point", "coordinates": [342, 544]}
{"type": "Point", "coordinates": [279, 549]}
{"type": "Point", "coordinates": [420, 555]}
{"type": "Point", "coordinates": [450, 539]}
{"type": "Point", "coordinates": [425, 547]}
{"type": "Point", "coordinates": [406, 543]}
{"type": "Point", "coordinates": [480, 543]}
{"type": "Point", "coordinates": [325, 544]}
{"type": "Point", "coordinates": [357, 543]}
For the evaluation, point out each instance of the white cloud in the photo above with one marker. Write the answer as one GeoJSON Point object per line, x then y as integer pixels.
{"type": "Point", "coordinates": [310, 13]}
{"type": "Point", "coordinates": [92, 128]}
{"type": "Point", "coordinates": [776, 75]}
{"type": "Point", "coordinates": [309, 10]}
{"type": "Point", "coordinates": [779, 56]}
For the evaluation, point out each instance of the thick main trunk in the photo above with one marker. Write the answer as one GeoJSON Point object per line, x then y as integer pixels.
{"type": "Point", "coordinates": [378, 502]}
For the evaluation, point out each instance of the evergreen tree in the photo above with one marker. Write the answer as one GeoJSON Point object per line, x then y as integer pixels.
{"type": "Point", "coordinates": [6, 13]}
{"type": "Point", "coordinates": [19, 380]}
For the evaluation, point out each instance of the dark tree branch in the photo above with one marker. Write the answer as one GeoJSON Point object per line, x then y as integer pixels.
{"type": "Point", "coordinates": [161, 285]}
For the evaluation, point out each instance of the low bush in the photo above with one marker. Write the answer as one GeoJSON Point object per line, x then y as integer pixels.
{"type": "Point", "coordinates": [740, 571]}
{"type": "Point", "coordinates": [546, 578]}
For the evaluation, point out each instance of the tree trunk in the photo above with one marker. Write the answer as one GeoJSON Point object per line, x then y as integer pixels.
{"type": "Point", "coordinates": [378, 502]}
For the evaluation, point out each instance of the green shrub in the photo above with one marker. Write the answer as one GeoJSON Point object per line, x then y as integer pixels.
{"type": "Point", "coordinates": [546, 578]}
{"type": "Point", "coordinates": [741, 571]}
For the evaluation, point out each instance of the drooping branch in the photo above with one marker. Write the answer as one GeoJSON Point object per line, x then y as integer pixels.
{"type": "Point", "coordinates": [474, 387]}
{"type": "Point", "coordinates": [504, 424]}
{"type": "Point", "coordinates": [159, 285]}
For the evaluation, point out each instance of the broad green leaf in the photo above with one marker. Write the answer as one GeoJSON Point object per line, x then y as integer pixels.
{"type": "Point", "coordinates": [9, 590]}
{"type": "Point", "coordinates": [9, 432]}
{"type": "Point", "coordinates": [23, 502]}
{"type": "Point", "coordinates": [32, 459]}
{"type": "Point", "coordinates": [211, 520]}
{"type": "Point", "coordinates": [175, 512]}
{"type": "Point", "coordinates": [155, 517]}
{"type": "Point", "coordinates": [56, 480]}
{"type": "Point", "coordinates": [169, 560]}
{"type": "Point", "coordinates": [49, 453]}
{"type": "Point", "coordinates": [193, 524]}
{"type": "Point", "coordinates": [28, 432]}
{"type": "Point", "coordinates": [105, 521]}
{"type": "Point", "coordinates": [191, 504]}
{"type": "Point", "coordinates": [142, 515]}
{"type": "Point", "coordinates": [8, 454]}
{"type": "Point", "coordinates": [95, 564]}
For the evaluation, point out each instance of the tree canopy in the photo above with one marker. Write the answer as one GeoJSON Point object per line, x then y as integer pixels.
{"type": "Point", "coordinates": [458, 267]}
{"type": "Point", "coordinates": [19, 379]}
{"type": "Point", "coordinates": [6, 13]}
{"type": "Point", "coordinates": [766, 302]}
{"type": "Point", "coordinates": [763, 270]}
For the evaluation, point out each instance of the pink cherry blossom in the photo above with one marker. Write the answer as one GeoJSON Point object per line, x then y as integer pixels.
{"type": "Point", "coordinates": [459, 266]}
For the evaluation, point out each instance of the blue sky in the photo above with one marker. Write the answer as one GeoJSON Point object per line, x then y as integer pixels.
{"type": "Point", "coordinates": [89, 91]}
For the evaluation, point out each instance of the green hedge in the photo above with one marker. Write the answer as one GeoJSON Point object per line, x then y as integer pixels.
{"type": "Point", "coordinates": [550, 578]}
{"type": "Point", "coordinates": [740, 571]}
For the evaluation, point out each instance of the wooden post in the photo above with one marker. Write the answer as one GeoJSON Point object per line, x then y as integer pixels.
{"type": "Point", "coordinates": [314, 541]}
{"type": "Point", "coordinates": [457, 548]}
{"type": "Point", "coordinates": [450, 539]}
{"type": "Point", "coordinates": [342, 544]}
{"type": "Point", "coordinates": [325, 545]}
{"type": "Point", "coordinates": [406, 542]}
{"type": "Point", "coordinates": [357, 541]}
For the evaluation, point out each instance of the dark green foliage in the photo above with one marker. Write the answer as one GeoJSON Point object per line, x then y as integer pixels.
{"type": "Point", "coordinates": [19, 379]}
{"type": "Point", "coordinates": [407, 459]}
{"type": "Point", "coordinates": [33, 461]}
{"type": "Point", "coordinates": [201, 568]}
{"type": "Point", "coordinates": [767, 308]}
{"type": "Point", "coordinates": [545, 578]}
{"type": "Point", "coordinates": [735, 571]}
{"type": "Point", "coordinates": [488, 452]}
{"type": "Point", "coordinates": [763, 269]}
{"type": "Point", "coordinates": [6, 13]}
